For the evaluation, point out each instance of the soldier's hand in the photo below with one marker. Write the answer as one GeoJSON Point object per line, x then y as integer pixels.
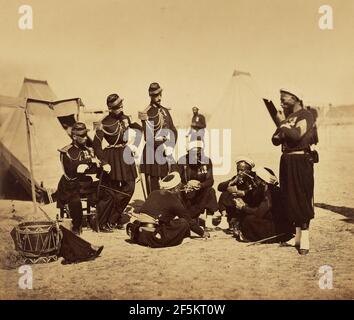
{"type": "Point", "coordinates": [95, 160]}
{"type": "Point", "coordinates": [280, 116]}
{"type": "Point", "coordinates": [194, 184]}
{"type": "Point", "coordinates": [232, 189]}
{"type": "Point", "coordinates": [134, 150]}
{"type": "Point", "coordinates": [239, 203]}
{"type": "Point", "coordinates": [168, 151]}
{"type": "Point", "coordinates": [285, 125]}
{"type": "Point", "coordinates": [240, 193]}
{"type": "Point", "coordinates": [106, 167]}
{"type": "Point", "coordinates": [143, 116]}
{"type": "Point", "coordinates": [276, 138]}
{"type": "Point", "coordinates": [81, 168]}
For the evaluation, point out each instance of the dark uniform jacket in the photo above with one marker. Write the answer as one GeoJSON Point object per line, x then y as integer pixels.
{"type": "Point", "coordinates": [71, 157]}
{"type": "Point", "coordinates": [267, 219]}
{"type": "Point", "coordinates": [198, 122]}
{"type": "Point", "coordinates": [253, 192]}
{"type": "Point", "coordinates": [204, 198]}
{"type": "Point", "coordinates": [165, 206]}
{"type": "Point", "coordinates": [158, 118]}
{"type": "Point", "coordinates": [203, 172]}
{"type": "Point", "coordinates": [293, 139]}
{"type": "Point", "coordinates": [117, 154]}
{"type": "Point", "coordinates": [296, 169]}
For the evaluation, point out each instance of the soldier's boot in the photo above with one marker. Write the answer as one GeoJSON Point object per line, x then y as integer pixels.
{"type": "Point", "coordinates": [293, 242]}
{"type": "Point", "coordinates": [304, 242]}
{"type": "Point", "coordinates": [209, 223]}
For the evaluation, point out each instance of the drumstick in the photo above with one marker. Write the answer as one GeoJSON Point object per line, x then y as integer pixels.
{"type": "Point", "coordinates": [45, 213]}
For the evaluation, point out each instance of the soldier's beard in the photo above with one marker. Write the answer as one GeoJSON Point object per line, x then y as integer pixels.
{"type": "Point", "coordinates": [156, 102]}
{"type": "Point", "coordinates": [80, 142]}
{"type": "Point", "coordinates": [288, 112]}
{"type": "Point", "coordinates": [117, 113]}
{"type": "Point", "coordinates": [288, 109]}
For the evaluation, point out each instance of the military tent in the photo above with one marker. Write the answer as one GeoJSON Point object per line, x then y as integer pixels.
{"type": "Point", "coordinates": [31, 134]}
{"type": "Point", "coordinates": [247, 125]}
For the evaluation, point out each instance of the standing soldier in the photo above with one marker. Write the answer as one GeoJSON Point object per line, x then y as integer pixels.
{"type": "Point", "coordinates": [117, 182]}
{"type": "Point", "coordinates": [76, 158]}
{"type": "Point", "coordinates": [198, 125]}
{"type": "Point", "coordinates": [296, 134]}
{"type": "Point", "coordinates": [160, 136]}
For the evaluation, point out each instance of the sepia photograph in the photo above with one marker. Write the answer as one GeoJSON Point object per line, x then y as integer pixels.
{"type": "Point", "coordinates": [174, 150]}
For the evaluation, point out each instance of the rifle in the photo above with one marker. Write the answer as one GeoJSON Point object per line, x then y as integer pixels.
{"type": "Point", "coordinates": [272, 110]}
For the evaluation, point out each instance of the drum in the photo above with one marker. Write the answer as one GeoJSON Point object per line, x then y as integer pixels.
{"type": "Point", "coordinates": [38, 241]}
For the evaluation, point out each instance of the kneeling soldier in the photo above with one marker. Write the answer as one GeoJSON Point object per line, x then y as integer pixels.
{"type": "Point", "coordinates": [170, 221]}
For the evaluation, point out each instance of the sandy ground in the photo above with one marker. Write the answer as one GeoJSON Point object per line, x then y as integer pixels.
{"type": "Point", "coordinates": [218, 268]}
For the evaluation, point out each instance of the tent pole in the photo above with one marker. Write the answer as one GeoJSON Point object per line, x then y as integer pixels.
{"type": "Point", "coordinates": [30, 160]}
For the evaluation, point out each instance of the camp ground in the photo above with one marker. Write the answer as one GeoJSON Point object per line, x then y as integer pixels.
{"type": "Point", "coordinates": [224, 269]}
{"type": "Point", "coordinates": [63, 62]}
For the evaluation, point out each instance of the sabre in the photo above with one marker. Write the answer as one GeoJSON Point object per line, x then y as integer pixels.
{"type": "Point", "coordinates": [137, 165]}
{"type": "Point", "coordinates": [262, 240]}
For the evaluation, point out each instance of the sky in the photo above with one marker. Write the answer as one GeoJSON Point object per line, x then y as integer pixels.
{"type": "Point", "coordinates": [90, 49]}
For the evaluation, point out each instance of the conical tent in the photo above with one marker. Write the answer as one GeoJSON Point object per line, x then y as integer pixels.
{"type": "Point", "coordinates": [242, 113]}
{"type": "Point", "coordinates": [37, 89]}
{"type": "Point", "coordinates": [34, 117]}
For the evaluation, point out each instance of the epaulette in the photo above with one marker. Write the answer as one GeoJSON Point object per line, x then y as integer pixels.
{"type": "Point", "coordinates": [147, 108]}
{"type": "Point", "coordinates": [142, 115]}
{"type": "Point", "coordinates": [65, 149]}
{"type": "Point", "coordinates": [97, 125]}
{"type": "Point", "coordinates": [104, 118]}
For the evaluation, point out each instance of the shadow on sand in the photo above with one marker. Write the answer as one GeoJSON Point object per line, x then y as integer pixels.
{"type": "Point", "coordinates": [344, 211]}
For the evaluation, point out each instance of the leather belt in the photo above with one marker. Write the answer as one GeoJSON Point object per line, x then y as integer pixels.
{"type": "Point", "coordinates": [295, 152]}
{"type": "Point", "coordinates": [121, 145]}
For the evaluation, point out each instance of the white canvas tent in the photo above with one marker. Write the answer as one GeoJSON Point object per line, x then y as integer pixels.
{"type": "Point", "coordinates": [30, 136]}
{"type": "Point", "coordinates": [242, 111]}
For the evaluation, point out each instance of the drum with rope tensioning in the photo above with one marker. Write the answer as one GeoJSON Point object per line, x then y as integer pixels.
{"type": "Point", "coordinates": [37, 241]}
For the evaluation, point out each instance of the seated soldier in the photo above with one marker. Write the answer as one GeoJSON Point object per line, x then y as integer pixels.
{"type": "Point", "coordinates": [196, 171]}
{"type": "Point", "coordinates": [264, 220]}
{"type": "Point", "coordinates": [76, 158]}
{"type": "Point", "coordinates": [242, 185]}
{"type": "Point", "coordinates": [170, 221]}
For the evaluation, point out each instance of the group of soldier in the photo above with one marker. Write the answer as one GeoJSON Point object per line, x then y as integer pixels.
{"type": "Point", "coordinates": [180, 192]}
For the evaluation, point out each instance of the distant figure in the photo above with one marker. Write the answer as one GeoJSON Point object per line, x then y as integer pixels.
{"type": "Point", "coordinates": [198, 125]}
{"type": "Point", "coordinates": [198, 120]}
{"type": "Point", "coordinates": [160, 135]}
